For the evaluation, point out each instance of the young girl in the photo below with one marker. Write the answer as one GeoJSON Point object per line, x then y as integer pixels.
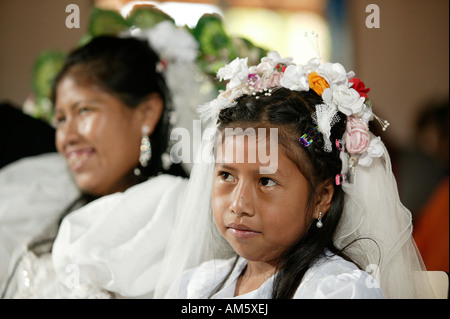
{"type": "Point", "coordinates": [321, 222]}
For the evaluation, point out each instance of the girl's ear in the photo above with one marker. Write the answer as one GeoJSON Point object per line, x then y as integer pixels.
{"type": "Point", "coordinates": [151, 109]}
{"type": "Point", "coordinates": [326, 191]}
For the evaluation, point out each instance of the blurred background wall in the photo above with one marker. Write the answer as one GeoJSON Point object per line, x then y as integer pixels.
{"type": "Point", "coordinates": [28, 27]}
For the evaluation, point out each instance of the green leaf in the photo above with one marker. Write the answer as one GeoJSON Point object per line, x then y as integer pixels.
{"type": "Point", "coordinates": [46, 67]}
{"type": "Point", "coordinates": [212, 38]}
{"type": "Point", "coordinates": [106, 22]}
{"type": "Point", "coordinates": [146, 17]}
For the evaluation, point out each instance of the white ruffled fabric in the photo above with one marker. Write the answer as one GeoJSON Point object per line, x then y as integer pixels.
{"type": "Point", "coordinates": [34, 191]}
{"type": "Point", "coordinates": [118, 241]}
{"type": "Point", "coordinates": [327, 278]}
{"type": "Point", "coordinates": [112, 247]}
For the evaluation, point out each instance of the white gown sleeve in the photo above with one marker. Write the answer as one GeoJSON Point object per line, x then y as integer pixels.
{"type": "Point", "coordinates": [34, 191]}
{"type": "Point", "coordinates": [118, 241]}
{"type": "Point", "coordinates": [338, 279]}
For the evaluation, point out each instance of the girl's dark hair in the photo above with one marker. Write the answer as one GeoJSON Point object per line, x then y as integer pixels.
{"type": "Point", "coordinates": [291, 112]}
{"type": "Point", "coordinates": [127, 69]}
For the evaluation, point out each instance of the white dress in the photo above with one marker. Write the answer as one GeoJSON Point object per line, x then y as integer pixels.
{"type": "Point", "coordinates": [34, 191]}
{"type": "Point", "coordinates": [112, 247]}
{"type": "Point", "coordinates": [328, 277]}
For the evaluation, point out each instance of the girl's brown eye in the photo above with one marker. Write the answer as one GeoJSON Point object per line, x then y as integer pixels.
{"type": "Point", "coordinates": [226, 176]}
{"type": "Point", "coordinates": [265, 181]}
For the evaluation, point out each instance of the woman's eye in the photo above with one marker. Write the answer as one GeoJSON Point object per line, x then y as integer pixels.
{"type": "Point", "coordinates": [58, 120]}
{"type": "Point", "coordinates": [84, 109]}
{"type": "Point", "coordinates": [226, 176]}
{"type": "Point", "coordinates": [265, 181]}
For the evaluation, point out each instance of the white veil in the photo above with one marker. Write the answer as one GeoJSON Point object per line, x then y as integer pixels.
{"type": "Point", "coordinates": [194, 237]}
{"type": "Point", "coordinates": [373, 210]}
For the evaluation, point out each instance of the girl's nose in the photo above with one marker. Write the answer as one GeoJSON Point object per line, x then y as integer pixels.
{"type": "Point", "coordinates": [242, 200]}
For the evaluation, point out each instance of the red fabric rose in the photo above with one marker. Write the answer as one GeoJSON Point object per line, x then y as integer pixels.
{"type": "Point", "coordinates": [360, 87]}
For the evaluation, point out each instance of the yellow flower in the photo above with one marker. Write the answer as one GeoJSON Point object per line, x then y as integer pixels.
{"type": "Point", "coordinates": [317, 83]}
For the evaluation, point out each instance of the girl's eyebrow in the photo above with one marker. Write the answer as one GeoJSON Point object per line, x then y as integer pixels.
{"type": "Point", "coordinates": [225, 167]}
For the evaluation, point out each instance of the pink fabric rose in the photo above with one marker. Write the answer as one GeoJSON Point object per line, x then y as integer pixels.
{"type": "Point", "coordinates": [357, 139]}
{"type": "Point", "coordinates": [272, 81]}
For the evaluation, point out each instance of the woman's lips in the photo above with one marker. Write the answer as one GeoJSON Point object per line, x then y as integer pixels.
{"type": "Point", "coordinates": [77, 159]}
{"type": "Point", "coordinates": [242, 231]}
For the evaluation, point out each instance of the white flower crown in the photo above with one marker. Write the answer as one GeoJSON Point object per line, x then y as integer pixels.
{"type": "Point", "coordinates": [339, 89]}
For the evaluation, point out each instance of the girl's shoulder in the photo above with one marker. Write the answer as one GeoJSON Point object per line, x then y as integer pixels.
{"type": "Point", "coordinates": [199, 282]}
{"type": "Point", "coordinates": [331, 276]}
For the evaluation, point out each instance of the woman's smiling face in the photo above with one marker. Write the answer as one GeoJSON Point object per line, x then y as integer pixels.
{"type": "Point", "coordinates": [259, 215]}
{"type": "Point", "coordinates": [98, 135]}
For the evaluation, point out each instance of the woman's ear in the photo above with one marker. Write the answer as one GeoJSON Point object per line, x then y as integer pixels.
{"type": "Point", "coordinates": [326, 191]}
{"type": "Point", "coordinates": [150, 110]}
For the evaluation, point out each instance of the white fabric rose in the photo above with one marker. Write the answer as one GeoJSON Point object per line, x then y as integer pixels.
{"type": "Point", "coordinates": [236, 72]}
{"type": "Point", "coordinates": [334, 73]}
{"type": "Point", "coordinates": [269, 63]}
{"type": "Point", "coordinates": [294, 78]}
{"type": "Point", "coordinates": [375, 149]}
{"type": "Point", "coordinates": [173, 43]}
{"type": "Point", "coordinates": [312, 65]}
{"type": "Point", "coordinates": [346, 100]}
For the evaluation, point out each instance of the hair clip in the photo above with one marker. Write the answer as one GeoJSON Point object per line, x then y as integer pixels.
{"type": "Point", "coordinates": [340, 179]}
{"type": "Point", "coordinates": [308, 138]}
{"type": "Point", "coordinates": [339, 145]}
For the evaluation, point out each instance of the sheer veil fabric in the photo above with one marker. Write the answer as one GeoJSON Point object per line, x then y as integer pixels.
{"type": "Point", "coordinates": [381, 228]}
{"type": "Point", "coordinates": [194, 238]}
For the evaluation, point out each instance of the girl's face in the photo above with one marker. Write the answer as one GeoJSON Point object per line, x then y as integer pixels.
{"type": "Point", "coordinates": [98, 135]}
{"type": "Point", "coordinates": [259, 215]}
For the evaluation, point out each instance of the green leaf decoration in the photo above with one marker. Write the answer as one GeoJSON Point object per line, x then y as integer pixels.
{"type": "Point", "coordinates": [85, 39]}
{"type": "Point", "coordinates": [106, 22]}
{"type": "Point", "coordinates": [245, 48]}
{"type": "Point", "coordinates": [146, 17]}
{"type": "Point", "coordinates": [212, 38]}
{"type": "Point", "coordinates": [45, 69]}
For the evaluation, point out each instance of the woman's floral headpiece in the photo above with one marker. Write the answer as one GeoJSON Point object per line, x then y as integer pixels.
{"type": "Point", "coordinates": [339, 89]}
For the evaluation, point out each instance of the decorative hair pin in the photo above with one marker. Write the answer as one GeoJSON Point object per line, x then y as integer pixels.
{"type": "Point", "coordinates": [307, 138]}
{"type": "Point", "coordinates": [267, 92]}
{"type": "Point", "coordinates": [340, 179]}
{"type": "Point", "coordinates": [339, 145]}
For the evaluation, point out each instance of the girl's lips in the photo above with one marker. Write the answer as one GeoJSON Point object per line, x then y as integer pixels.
{"type": "Point", "coordinates": [242, 231]}
{"type": "Point", "coordinates": [77, 159]}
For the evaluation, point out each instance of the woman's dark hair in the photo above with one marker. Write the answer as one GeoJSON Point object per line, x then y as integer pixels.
{"type": "Point", "coordinates": [127, 69]}
{"type": "Point", "coordinates": [292, 112]}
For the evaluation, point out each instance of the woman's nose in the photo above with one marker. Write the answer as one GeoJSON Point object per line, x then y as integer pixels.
{"type": "Point", "coordinates": [67, 134]}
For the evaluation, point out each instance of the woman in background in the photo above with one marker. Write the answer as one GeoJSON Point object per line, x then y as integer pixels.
{"type": "Point", "coordinates": [103, 236]}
